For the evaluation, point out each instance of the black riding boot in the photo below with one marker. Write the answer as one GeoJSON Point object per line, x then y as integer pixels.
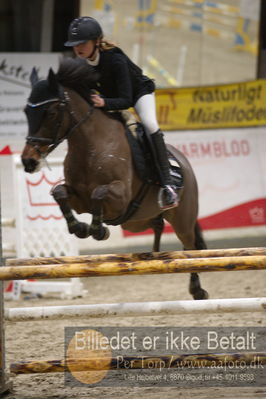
{"type": "Point", "coordinates": [168, 198]}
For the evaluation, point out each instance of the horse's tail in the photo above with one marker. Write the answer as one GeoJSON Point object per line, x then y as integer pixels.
{"type": "Point", "coordinates": [199, 240]}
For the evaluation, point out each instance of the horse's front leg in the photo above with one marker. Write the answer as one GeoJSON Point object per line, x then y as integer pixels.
{"type": "Point", "coordinates": [61, 196]}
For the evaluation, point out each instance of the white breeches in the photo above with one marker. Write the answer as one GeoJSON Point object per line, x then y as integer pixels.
{"type": "Point", "coordinates": [146, 109]}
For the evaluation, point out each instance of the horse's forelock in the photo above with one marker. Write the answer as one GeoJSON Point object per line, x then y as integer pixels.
{"type": "Point", "coordinates": [41, 92]}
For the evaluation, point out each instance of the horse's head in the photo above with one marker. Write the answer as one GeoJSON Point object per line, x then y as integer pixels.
{"type": "Point", "coordinates": [50, 119]}
{"type": "Point", "coordinates": [45, 113]}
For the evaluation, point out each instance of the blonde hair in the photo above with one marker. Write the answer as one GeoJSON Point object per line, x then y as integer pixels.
{"type": "Point", "coordinates": [106, 44]}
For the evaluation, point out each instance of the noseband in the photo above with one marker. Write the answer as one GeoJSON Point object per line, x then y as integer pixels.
{"type": "Point", "coordinates": [55, 140]}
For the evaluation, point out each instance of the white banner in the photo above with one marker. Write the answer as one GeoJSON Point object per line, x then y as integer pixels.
{"type": "Point", "coordinates": [230, 169]}
{"type": "Point", "coordinates": [15, 69]}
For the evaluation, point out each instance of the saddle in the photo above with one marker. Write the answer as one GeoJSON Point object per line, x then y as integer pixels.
{"type": "Point", "coordinates": [144, 162]}
{"type": "Point", "coordinates": [143, 154]}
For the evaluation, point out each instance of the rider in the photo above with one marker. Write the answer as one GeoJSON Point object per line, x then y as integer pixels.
{"type": "Point", "coordinates": [122, 85]}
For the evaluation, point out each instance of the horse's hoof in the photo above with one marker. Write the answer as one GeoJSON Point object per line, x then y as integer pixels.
{"type": "Point", "coordinates": [102, 234]}
{"type": "Point", "coordinates": [201, 294]}
{"type": "Point", "coordinates": [106, 233]}
{"type": "Point", "coordinates": [81, 230]}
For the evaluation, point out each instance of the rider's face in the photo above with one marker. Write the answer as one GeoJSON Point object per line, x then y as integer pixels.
{"type": "Point", "coordinates": [84, 50]}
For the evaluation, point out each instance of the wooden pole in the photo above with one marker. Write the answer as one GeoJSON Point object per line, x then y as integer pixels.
{"type": "Point", "coordinates": [5, 385]}
{"type": "Point", "coordinates": [134, 257]}
{"type": "Point", "coordinates": [141, 362]}
{"type": "Point", "coordinates": [135, 268]}
{"type": "Point", "coordinates": [136, 309]}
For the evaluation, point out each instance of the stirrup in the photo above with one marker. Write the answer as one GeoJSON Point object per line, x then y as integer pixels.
{"type": "Point", "coordinates": [167, 198]}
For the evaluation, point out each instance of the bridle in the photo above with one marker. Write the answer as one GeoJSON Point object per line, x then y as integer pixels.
{"type": "Point", "coordinates": [56, 139]}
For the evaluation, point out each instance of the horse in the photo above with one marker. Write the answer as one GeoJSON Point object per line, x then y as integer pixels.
{"type": "Point", "coordinates": [99, 171]}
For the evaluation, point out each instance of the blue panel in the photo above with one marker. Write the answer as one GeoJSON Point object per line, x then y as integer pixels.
{"type": "Point", "coordinates": [196, 27]}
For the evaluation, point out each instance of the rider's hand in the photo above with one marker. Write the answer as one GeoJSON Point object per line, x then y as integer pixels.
{"type": "Point", "coordinates": [97, 100]}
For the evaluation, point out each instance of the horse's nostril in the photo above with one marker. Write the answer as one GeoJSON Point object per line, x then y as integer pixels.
{"type": "Point", "coordinates": [29, 164]}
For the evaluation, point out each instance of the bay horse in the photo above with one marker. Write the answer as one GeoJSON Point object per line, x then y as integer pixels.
{"type": "Point", "coordinates": [100, 175]}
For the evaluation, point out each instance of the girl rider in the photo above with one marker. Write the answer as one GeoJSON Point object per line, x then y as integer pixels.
{"type": "Point", "coordinates": [121, 86]}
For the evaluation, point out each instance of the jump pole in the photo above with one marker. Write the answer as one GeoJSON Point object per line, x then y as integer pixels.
{"type": "Point", "coordinates": [195, 265]}
{"type": "Point", "coordinates": [133, 257]}
{"type": "Point", "coordinates": [143, 362]}
{"type": "Point", "coordinates": [5, 384]}
{"type": "Point", "coordinates": [136, 309]}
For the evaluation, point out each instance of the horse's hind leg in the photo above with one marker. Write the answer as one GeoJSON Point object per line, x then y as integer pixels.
{"type": "Point", "coordinates": [191, 240]}
{"type": "Point", "coordinates": [194, 286]}
{"type": "Point", "coordinates": [61, 195]}
{"type": "Point", "coordinates": [157, 224]}
{"type": "Point", "coordinates": [111, 199]}
{"type": "Point", "coordinates": [98, 231]}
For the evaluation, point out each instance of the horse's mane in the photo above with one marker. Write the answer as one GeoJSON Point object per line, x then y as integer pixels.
{"type": "Point", "coordinates": [77, 74]}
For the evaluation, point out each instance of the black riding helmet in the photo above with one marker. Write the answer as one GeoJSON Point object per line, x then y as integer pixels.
{"type": "Point", "coordinates": [83, 29]}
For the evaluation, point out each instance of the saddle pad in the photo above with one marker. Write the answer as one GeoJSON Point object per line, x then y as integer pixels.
{"type": "Point", "coordinates": [175, 171]}
{"type": "Point", "coordinates": [143, 159]}
{"type": "Point", "coordinates": [142, 156]}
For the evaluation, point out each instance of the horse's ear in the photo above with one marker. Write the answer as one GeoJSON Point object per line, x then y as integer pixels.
{"type": "Point", "coordinates": [53, 84]}
{"type": "Point", "coordinates": [34, 78]}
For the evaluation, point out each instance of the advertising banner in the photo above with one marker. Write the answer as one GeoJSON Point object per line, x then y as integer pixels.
{"type": "Point", "coordinates": [230, 169]}
{"type": "Point", "coordinates": [209, 107]}
{"type": "Point", "coordinates": [15, 70]}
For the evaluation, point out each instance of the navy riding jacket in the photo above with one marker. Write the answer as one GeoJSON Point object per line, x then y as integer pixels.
{"type": "Point", "coordinates": [121, 82]}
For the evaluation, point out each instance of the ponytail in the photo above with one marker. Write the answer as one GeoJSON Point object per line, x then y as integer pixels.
{"type": "Point", "coordinates": [106, 45]}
